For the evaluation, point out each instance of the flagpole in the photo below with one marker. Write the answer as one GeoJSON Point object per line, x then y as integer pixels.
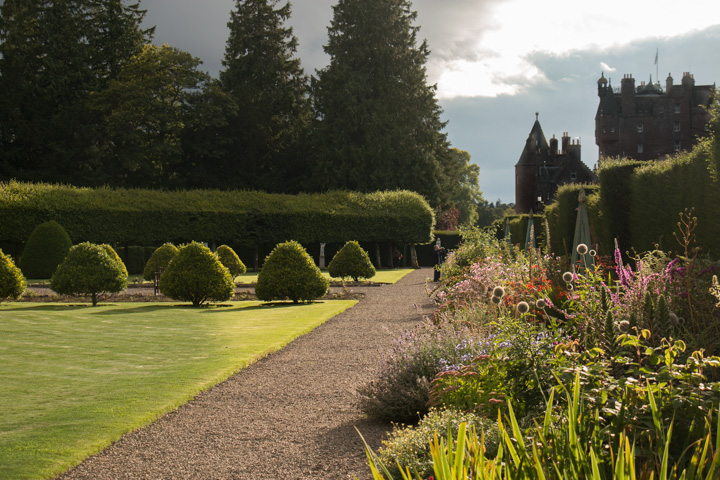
{"type": "Point", "coordinates": [657, 67]}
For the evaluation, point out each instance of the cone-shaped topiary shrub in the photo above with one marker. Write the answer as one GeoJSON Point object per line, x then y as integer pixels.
{"type": "Point", "coordinates": [12, 281]}
{"type": "Point", "coordinates": [290, 273]}
{"type": "Point", "coordinates": [351, 261]}
{"type": "Point", "coordinates": [196, 275]}
{"type": "Point", "coordinates": [90, 270]}
{"type": "Point", "coordinates": [232, 262]}
{"type": "Point", "coordinates": [46, 248]}
{"type": "Point", "coordinates": [159, 259]}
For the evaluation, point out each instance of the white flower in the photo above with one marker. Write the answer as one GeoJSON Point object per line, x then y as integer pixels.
{"type": "Point", "coordinates": [582, 249]}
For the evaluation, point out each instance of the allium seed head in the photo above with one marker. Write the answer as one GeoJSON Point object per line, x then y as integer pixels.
{"type": "Point", "coordinates": [593, 253]}
{"type": "Point", "coordinates": [498, 292]}
{"type": "Point", "coordinates": [582, 249]}
{"type": "Point", "coordinates": [567, 277]}
{"type": "Point", "coordinates": [624, 326]}
{"type": "Point", "coordinates": [496, 300]}
{"type": "Point", "coordinates": [523, 307]}
{"type": "Point", "coordinates": [540, 303]}
{"type": "Point", "coordinates": [674, 319]}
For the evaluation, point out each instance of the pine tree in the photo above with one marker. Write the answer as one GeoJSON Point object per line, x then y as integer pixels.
{"type": "Point", "coordinates": [52, 55]}
{"type": "Point", "coordinates": [379, 122]}
{"type": "Point", "coordinates": [271, 91]}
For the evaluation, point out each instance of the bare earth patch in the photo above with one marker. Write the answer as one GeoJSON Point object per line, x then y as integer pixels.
{"type": "Point", "coordinates": [291, 415]}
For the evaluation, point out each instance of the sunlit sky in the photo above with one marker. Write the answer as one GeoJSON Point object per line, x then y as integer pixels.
{"type": "Point", "coordinates": [497, 62]}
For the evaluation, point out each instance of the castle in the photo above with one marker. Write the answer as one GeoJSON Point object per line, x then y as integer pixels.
{"type": "Point", "coordinates": [544, 166]}
{"type": "Point", "coordinates": [647, 122]}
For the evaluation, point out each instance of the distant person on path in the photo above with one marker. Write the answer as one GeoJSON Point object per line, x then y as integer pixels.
{"type": "Point", "coordinates": [439, 259]}
{"type": "Point", "coordinates": [397, 256]}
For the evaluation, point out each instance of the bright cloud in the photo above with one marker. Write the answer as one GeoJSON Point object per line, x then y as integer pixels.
{"type": "Point", "coordinates": [500, 62]}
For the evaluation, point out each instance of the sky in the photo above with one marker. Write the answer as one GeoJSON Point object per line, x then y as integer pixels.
{"type": "Point", "coordinates": [496, 63]}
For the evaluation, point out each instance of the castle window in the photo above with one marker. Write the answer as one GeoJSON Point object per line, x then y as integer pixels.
{"type": "Point", "coordinates": [678, 145]}
{"type": "Point", "coordinates": [573, 175]}
{"type": "Point", "coordinates": [661, 109]}
{"type": "Point", "coordinates": [676, 127]}
{"type": "Point", "coordinates": [677, 108]}
{"type": "Point", "coordinates": [640, 128]}
{"type": "Point", "coordinates": [612, 129]}
{"type": "Point", "coordinates": [641, 148]}
{"type": "Point", "coordinates": [604, 130]}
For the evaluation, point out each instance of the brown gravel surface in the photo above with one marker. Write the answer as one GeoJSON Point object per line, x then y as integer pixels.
{"type": "Point", "coordinates": [291, 415]}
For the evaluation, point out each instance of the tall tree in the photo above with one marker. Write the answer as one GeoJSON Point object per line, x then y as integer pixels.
{"type": "Point", "coordinates": [460, 185]}
{"type": "Point", "coordinates": [271, 92]}
{"type": "Point", "coordinates": [144, 113]}
{"type": "Point", "coordinates": [379, 123]}
{"type": "Point", "coordinates": [52, 54]}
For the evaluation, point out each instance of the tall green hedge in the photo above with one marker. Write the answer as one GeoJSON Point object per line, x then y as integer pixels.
{"type": "Point", "coordinates": [148, 217]}
{"type": "Point", "coordinates": [562, 216]}
{"type": "Point", "coordinates": [660, 191]}
{"type": "Point", "coordinates": [615, 176]}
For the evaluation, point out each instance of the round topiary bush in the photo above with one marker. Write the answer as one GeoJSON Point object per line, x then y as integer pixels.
{"type": "Point", "coordinates": [196, 275]}
{"type": "Point", "coordinates": [46, 248]}
{"type": "Point", "coordinates": [351, 261]}
{"type": "Point", "coordinates": [12, 281]}
{"type": "Point", "coordinates": [90, 269]}
{"type": "Point", "coordinates": [232, 262]}
{"type": "Point", "coordinates": [159, 259]}
{"type": "Point", "coordinates": [290, 273]}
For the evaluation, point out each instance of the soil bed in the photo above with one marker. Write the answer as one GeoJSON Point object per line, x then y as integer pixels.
{"type": "Point", "coordinates": [291, 415]}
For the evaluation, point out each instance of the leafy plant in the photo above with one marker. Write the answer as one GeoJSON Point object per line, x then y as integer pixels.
{"type": "Point", "coordinates": [408, 447]}
{"type": "Point", "coordinates": [351, 261]}
{"type": "Point", "coordinates": [401, 389]}
{"type": "Point", "coordinates": [160, 258]}
{"type": "Point", "coordinates": [12, 281]}
{"type": "Point", "coordinates": [232, 262]}
{"type": "Point", "coordinates": [196, 275]}
{"type": "Point", "coordinates": [90, 270]}
{"type": "Point", "coordinates": [290, 273]}
{"type": "Point", "coordinates": [45, 249]}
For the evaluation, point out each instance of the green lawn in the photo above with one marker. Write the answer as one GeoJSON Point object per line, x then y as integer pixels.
{"type": "Point", "coordinates": [75, 378]}
{"type": "Point", "coordinates": [382, 276]}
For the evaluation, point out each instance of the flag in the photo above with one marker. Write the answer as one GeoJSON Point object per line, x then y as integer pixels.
{"type": "Point", "coordinates": [656, 55]}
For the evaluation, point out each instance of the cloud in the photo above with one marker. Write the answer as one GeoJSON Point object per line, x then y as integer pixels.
{"type": "Point", "coordinates": [607, 67]}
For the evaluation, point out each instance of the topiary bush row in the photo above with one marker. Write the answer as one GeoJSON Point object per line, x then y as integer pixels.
{"type": "Point", "coordinates": [148, 217]}
{"type": "Point", "coordinates": [12, 281]}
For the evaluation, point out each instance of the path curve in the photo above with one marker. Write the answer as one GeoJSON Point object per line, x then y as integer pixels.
{"type": "Point", "coordinates": [291, 415]}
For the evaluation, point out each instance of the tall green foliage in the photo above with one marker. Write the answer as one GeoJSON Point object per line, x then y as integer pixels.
{"type": "Point", "coordinates": [12, 281]}
{"type": "Point", "coordinates": [290, 274]}
{"type": "Point", "coordinates": [379, 121]}
{"type": "Point", "coordinates": [45, 249]}
{"type": "Point", "coordinates": [92, 270]}
{"type": "Point", "coordinates": [351, 261]}
{"type": "Point", "coordinates": [270, 89]}
{"type": "Point", "coordinates": [52, 55]}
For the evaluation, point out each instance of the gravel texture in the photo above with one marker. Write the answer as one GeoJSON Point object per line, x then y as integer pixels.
{"type": "Point", "coordinates": [291, 415]}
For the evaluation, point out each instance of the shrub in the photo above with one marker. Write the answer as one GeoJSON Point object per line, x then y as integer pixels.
{"type": "Point", "coordinates": [90, 269]}
{"type": "Point", "coordinates": [232, 262]}
{"type": "Point", "coordinates": [12, 281]}
{"type": "Point", "coordinates": [409, 447]}
{"type": "Point", "coordinates": [45, 249]}
{"type": "Point", "coordinates": [290, 273]}
{"type": "Point", "coordinates": [351, 261]}
{"type": "Point", "coordinates": [401, 389]}
{"type": "Point", "coordinates": [159, 259]}
{"type": "Point", "coordinates": [196, 275]}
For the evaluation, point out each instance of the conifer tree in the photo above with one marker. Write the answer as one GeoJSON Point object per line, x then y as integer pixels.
{"type": "Point", "coordinates": [379, 122]}
{"type": "Point", "coordinates": [267, 82]}
{"type": "Point", "coordinates": [52, 55]}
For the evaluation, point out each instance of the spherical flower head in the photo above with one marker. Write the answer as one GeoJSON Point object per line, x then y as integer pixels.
{"type": "Point", "coordinates": [674, 319]}
{"type": "Point", "coordinates": [582, 249]}
{"type": "Point", "coordinates": [496, 300]}
{"type": "Point", "coordinates": [540, 303]}
{"type": "Point", "coordinates": [498, 292]}
{"type": "Point", "coordinates": [593, 253]}
{"type": "Point", "coordinates": [624, 326]}
{"type": "Point", "coordinates": [567, 277]}
{"type": "Point", "coordinates": [523, 307]}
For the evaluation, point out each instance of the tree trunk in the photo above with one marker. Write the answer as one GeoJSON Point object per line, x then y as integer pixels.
{"type": "Point", "coordinates": [413, 257]}
{"type": "Point", "coordinates": [377, 255]}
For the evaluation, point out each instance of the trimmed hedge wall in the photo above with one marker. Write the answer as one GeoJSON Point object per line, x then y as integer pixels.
{"type": "Point", "coordinates": [237, 218]}
{"type": "Point", "coordinates": [615, 176]}
{"type": "Point", "coordinates": [562, 215]}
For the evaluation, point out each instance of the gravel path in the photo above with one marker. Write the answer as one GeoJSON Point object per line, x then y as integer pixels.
{"type": "Point", "coordinates": [291, 415]}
